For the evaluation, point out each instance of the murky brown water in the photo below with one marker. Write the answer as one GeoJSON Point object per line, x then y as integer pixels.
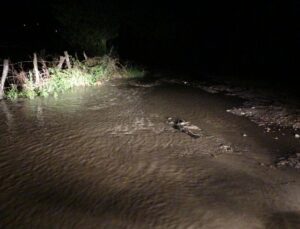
{"type": "Point", "coordinates": [105, 158]}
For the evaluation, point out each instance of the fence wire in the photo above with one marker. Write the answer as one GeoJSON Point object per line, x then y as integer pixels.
{"type": "Point", "coordinates": [23, 62]}
{"type": "Point", "coordinates": [20, 71]}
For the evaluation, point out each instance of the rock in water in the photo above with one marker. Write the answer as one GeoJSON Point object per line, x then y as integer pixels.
{"type": "Point", "coordinates": [290, 160]}
{"type": "Point", "coordinates": [184, 126]}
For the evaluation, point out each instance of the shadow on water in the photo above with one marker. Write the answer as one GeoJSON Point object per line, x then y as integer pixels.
{"type": "Point", "coordinates": [283, 220]}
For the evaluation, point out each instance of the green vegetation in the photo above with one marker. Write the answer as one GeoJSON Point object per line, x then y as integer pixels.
{"type": "Point", "coordinates": [88, 73]}
{"type": "Point", "coordinates": [12, 93]}
{"type": "Point", "coordinates": [134, 72]}
{"type": "Point", "coordinates": [94, 25]}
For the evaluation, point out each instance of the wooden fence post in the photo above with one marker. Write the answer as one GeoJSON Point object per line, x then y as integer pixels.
{"type": "Point", "coordinates": [67, 60]}
{"type": "Point", "coordinates": [85, 56]}
{"type": "Point", "coordinates": [61, 62]}
{"type": "Point", "coordinates": [45, 69]}
{"type": "Point", "coordinates": [36, 69]}
{"type": "Point", "coordinates": [3, 78]}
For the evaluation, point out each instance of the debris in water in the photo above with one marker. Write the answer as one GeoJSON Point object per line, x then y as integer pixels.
{"type": "Point", "coordinates": [226, 148]}
{"type": "Point", "coordinates": [245, 135]}
{"type": "Point", "coordinates": [297, 136]}
{"type": "Point", "coordinates": [184, 126]}
{"type": "Point", "coordinates": [291, 160]}
{"type": "Point", "coordinates": [266, 115]}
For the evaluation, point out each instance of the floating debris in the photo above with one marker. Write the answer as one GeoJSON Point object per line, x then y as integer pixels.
{"type": "Point", "coordinates": [297, 136]}
{"type": "Point", "coordinates": [226, 148]}
{"type": "Point", "coordinates": [291, 160]}
{"type": "Point", "coordinates": [268, 129]}
{"type": "Point", "coordinates": [266, 115]}
{"type": "Point", "coordinates": [184, 126]}
{"type": "Point", "coordinates": [145, 84]}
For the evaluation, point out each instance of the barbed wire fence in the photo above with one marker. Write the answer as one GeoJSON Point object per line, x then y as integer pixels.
{"type": "Point", "coordinates": [37, 70]}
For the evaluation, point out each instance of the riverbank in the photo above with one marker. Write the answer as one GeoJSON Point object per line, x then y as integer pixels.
{"type": "Point", "coordinates": [58, 75]}
{"type": "Point", "coordinates": [267, 107]}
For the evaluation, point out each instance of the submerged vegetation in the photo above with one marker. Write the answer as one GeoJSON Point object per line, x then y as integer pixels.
{"type": "Point", "coordinates": [55, 79]}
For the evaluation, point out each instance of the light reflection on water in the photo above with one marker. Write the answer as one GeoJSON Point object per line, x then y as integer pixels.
{"type": "Point", "coordinates": [106, 156]}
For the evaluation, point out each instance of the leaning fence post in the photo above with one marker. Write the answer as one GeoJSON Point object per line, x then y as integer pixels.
{"type": "Point", "coordinates": [85, 56]}
{"type": "Point", "coordinates": [3, 78]}
{"type": "Point", "coordinates": [61, 62]}
{"type": "Point", "coordinates": [36, 70]}
{"type": "Point", "coordinates": [67, 59]}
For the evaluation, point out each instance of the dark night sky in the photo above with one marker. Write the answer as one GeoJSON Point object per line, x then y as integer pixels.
{"type": "Point", "coordinates": [238, 37]}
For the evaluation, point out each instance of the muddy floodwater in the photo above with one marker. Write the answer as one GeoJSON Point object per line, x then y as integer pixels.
{"type": "Point", "coordinates": [105, 157]}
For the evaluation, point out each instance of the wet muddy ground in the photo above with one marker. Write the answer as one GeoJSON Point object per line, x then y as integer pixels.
{"type": "Point", "coordinates": [106, 157]}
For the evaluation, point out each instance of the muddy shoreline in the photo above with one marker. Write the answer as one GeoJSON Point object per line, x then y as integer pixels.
{"type": "Point", "coordinates": [276, 112]}
{"type": "Point", "coordinates": [264, 107]}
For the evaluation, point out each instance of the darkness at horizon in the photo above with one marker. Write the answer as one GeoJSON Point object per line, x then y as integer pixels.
{"type": "Point", "coordinates": [242, 38]}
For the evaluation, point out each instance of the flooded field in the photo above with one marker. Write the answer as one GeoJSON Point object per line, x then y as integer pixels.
{"type": "Point", "coordinates": [105, 157]}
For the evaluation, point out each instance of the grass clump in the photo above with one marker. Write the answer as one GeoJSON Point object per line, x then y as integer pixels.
{"type": "Point", "coordinates": [134, 72]}
{"type": "Point", "coordinates": [13, 92]}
